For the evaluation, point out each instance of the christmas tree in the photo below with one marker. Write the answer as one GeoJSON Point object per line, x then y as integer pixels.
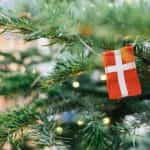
{"type": "Point", "coordinates": [65, 106]}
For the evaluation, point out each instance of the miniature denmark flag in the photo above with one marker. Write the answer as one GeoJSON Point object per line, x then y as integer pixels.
{"type": "Point", "coordinates": [120, 69]}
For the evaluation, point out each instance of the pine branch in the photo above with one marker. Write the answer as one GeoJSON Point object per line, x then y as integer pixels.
{"type": "Point", "coordinates": [68, 68]}
{"type": "Point", "coordinates": [93, 133]}
{"type": "Point", "coordinates": [43, 134]}
{"type": "Point", "coordinates": [96, 136]}
{"type": "Point", "coordinates": [23, 56]}
{"type": "Point", "coordinates": [16, 82]}
{"type": "Point", "coordinates": [47, 22]}
{"type": "Point", "coordinates": [9, 58]}
{"type": "Point", "coordinates": [15, 121]}
{"type": "Point", "coordinates": [142, 50]}
{"type": "Point", "coordinates": [78, 25]}
{"type": "Point", "coordinates": [13, 23]}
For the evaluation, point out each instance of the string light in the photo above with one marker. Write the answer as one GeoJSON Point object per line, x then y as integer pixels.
{"type": "Point", "coordinates": [110, 5]}
{"type": "Point", "coordinates": [103, 77]}
{"type": "Point", "coordinates": [80, 122]}
{"type": "Point", "coordinates": [106, 121]}
{"type": "Point", "coordinates": [92, 5]}
{"type": "Point", "coordinates": [129, 1]}
{"type": "Point", "coordinates": [76, 84]}
{"type": "Point", "coordinates": [34, 70]}
{"type": "Point", "coordinates": [59, 130]}
{"type": "Point", "coordinates": [84, 9]}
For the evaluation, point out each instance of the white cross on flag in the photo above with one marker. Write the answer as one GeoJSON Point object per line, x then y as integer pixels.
{"type": "Point", "coordinates": [120, 69]}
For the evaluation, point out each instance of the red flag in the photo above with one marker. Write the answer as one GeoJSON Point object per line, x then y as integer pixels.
{"type": "Point", "coordinates": [122, 77]}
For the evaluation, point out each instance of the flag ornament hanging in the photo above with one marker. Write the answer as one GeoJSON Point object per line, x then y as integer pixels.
{"type": "Point", "coordinates": [121, 73]}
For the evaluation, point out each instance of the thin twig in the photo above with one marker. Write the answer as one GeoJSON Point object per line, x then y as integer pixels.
{"type": "Point", "coordinates": [87, 46]}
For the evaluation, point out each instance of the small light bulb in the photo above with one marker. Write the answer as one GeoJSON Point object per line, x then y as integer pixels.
{"type": "Point", "coordinates": [59, 130]}
{"type": "Point", "coordinates": [110, 5]}
{"type": "Point", "coordinates": [129, 1]}
{"type": "Point", "coordinates": [34, 70]}
{"type": "Point", "coordinates": [106, 121]}
{"type": "Point", "coordinates": [92, 5]}
{"type": "Point", "coordinates": [80, 122]}
{"type": "Point", "coordinates": [76, 84]}
{"type": "Point", "coordinates": [84, 9]}
{"type": "Point", "coordinates": [103, 77]}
